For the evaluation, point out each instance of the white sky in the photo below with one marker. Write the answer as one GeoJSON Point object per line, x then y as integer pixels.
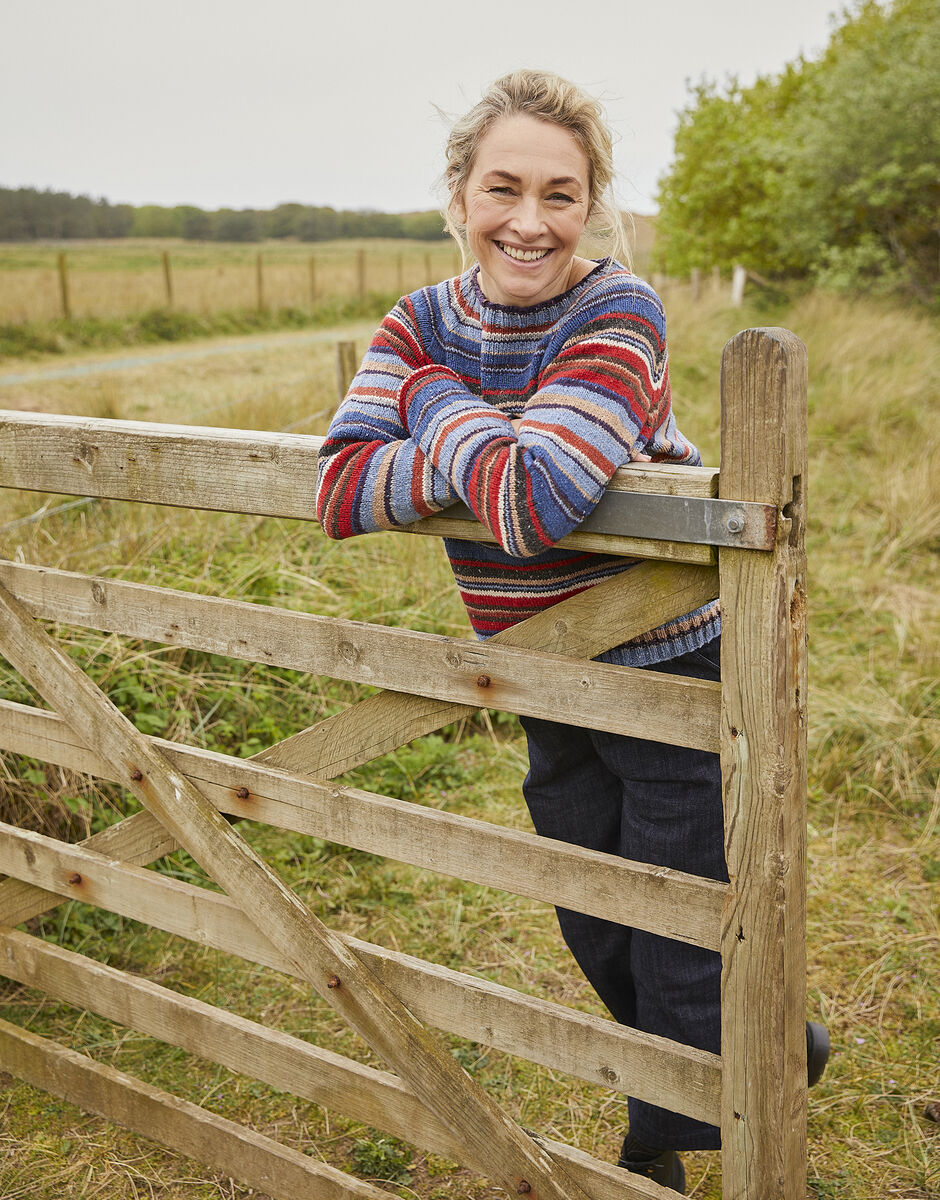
{"type": "Point", "coordinates": [238, 104]}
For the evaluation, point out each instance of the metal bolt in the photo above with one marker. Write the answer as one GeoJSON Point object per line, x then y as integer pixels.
{"type": "Point", "coordinates": [524, 1187]}
{"type": "Point", "coordinates": [735, 523]}
{"type": "Point", "coordinates": [243, 793]}
{"type": "Point", "coordinates": [483, 681]}
{"type": "Point", "coordinates": [333, 982]}
{"type": "Point", "coordinates": [137, 775]}
{"type": "Point", "coordinates": [75, 878]}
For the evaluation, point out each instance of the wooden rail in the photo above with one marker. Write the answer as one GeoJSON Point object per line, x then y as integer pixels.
{"type": "Point", "coordinates": [737, 534]}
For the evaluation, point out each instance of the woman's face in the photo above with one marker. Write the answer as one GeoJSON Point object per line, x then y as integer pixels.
{"type": "Point", "coordinates": [525, 205]}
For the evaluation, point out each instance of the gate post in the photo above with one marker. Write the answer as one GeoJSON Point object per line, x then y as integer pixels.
{"type": "Point", "coordinates": [763, 761]}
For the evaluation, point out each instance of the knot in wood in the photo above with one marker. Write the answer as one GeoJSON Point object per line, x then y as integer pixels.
{"type": "Point", "coordinates": [350, 652]}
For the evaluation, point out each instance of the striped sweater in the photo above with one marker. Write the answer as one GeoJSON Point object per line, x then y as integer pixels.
{"type": "Point", "coordinates": [428, 422]}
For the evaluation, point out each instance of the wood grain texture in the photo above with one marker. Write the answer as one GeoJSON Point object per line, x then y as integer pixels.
{"type": "Point", "coordinates": [582, 626]}
{"type": "Point", "coordinates": [233, 1149]}
{"type": "Point", "coordinates": [671, 903]}
{"type": "Point", "coordinates": [289, 1064]}
{"type": "Point", "coordinates": [249, 471]}
{"type": "Point", "coordinates": [493, 1142]}
{"type": "Point", "coordinates": [585, 1046]}
{"type": "Point", "coordinates": [763, 666]}
{"type": "Point", "coordinates": [681, 711]}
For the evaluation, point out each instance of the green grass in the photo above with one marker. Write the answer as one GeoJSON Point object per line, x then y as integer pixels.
{"type": "Point", "coordinates": [874, 851]}
{"type": "Point", "coordinates": [36, 339]}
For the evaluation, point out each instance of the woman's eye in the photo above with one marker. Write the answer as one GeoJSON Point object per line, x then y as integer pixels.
{"type": "Point", "coordinates": [561, 198]}
{"type": "Point", "coordinates": [500, 190]}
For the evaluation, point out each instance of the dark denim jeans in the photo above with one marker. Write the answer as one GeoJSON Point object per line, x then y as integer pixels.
{"type": "Point", "coordinates": [657, 804]}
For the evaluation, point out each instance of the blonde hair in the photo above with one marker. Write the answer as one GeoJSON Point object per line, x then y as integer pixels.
{"type": "Point", "coordinates": [547, 97]}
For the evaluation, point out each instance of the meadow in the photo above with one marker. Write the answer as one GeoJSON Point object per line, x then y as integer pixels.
{"type": "Point", "coordinates": [874, 806]}
{"type": "Point", "coordinates": [128, 277]}
{"type": "Point", "coordinates": [120, 278]}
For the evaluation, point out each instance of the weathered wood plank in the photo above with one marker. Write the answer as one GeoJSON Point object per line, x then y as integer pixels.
{"type": "Point", "coordinates": [657, 899]}
{"type": "Point", "coordinates": [444, 669]}
{"type": "Point", "coordinates": [250, 471]}
{"type": "Point", "coordinates": [588, 1047]}
{"type": "Point", "coordinates": [763, 665]}
{"type": "Point", "coordinates": [233, 1149]}
{"type": "Point", "coordinates": [582, 626]}
{"type": "Point", "coordinates": [289, 1064]}
{"type": "Point", "coordinates": [493, 1142]}
{"type": "Point", "coordinates": [137, 840]}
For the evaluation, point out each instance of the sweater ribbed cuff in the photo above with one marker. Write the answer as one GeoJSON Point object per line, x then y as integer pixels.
{"type": "Point", "coordinates": [412, 382]}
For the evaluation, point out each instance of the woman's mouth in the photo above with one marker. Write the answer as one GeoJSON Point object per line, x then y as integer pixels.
{"type": "Point", "coordinates": [522, 255]}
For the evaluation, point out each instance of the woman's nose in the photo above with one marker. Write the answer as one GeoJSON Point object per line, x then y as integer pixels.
{"type": "Point", "coordinates": [527, 218]}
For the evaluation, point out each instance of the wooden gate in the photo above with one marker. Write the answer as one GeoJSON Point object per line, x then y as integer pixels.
{"type": "Point", "coordinates": [737, 534]}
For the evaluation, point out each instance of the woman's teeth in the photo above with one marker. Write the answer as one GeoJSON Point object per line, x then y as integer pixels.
{"type": "Point", "coordinates": [521, 255]}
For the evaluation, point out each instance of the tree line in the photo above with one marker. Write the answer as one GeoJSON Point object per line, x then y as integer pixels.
{"type": "Point", "coordinates": [29, 214]}
{"type": "Point", "coordinates": [829, 171]}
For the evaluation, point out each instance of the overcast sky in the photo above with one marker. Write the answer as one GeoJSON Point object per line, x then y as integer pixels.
{"type": "Point", "coordinates": [247, 104]}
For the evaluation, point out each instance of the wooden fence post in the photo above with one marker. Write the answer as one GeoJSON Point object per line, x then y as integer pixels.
{"type": "Point", "coordinates": [313, 280]}
{"type": "Point", "coordinates": [738, 282]}
{"type": "Point", "coordinates": [168, 278]}
{"type": "Point", "coordinates": [763, 760]}
{"type": "Point", "coordinates": [716, 279]}
{"type": "Point", "coordinates": [346, 364]}
{"type": "Point", "coordinates": [64, 287]}
{"type": "Point", "coordinates": [259, 281]}
{"type": "Point", "coordinates": [696, 283]}
{"type": "Point", "coordinates": [400, 274]}
{"type": "Point", "coordinates": [428, 274]}
{"type": "Point", "coordinates": [361, 275]}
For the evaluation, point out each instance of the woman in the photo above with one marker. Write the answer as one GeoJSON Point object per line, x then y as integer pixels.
{"type": "Point", "coordinates": [519, 388]}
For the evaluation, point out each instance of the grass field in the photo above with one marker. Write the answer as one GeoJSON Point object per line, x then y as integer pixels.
{"type": "Point", "coordinates": [874, 848]}
{"type": "Point", "coordinates": [127, 277]}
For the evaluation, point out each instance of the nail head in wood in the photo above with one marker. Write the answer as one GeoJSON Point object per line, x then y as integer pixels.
{"type": "Point", "coordinates": [243, 793]}
{"type": "Point", "coordinates": [333, 982]}
{"type": "Point", "coordinates": [483, 681]}
{"type": "Point", "coordinates": [137, 775]}
{"type": "Point", "coordinates": [75, 877]}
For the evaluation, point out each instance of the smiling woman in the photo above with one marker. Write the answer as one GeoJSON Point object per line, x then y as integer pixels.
{"type": "Point", "coordinates": [519, 387]}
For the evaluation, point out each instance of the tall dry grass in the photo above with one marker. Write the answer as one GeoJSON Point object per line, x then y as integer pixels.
{"type": "Point", "coordinates": [122, 278]}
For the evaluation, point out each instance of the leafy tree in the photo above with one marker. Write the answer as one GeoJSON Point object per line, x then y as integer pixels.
{"type": "Point", "coordinates": [829, 171]}
{"type": "Point", "coordinates": [155, 221]}
{"type": "Point", "coordinates": [195, 224]}
{"type": "Point", "coordinates": [862, 188]}
{"type": "Point", "coordinates": [232, 226]}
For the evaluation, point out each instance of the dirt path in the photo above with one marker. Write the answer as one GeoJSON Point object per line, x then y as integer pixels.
{"type": "Point", "coordinates": [157, 355]}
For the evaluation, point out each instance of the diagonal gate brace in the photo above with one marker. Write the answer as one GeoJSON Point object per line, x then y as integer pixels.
{"type": "Point", "coordinates": [583, 626]}
{"type": "Point", "coordinates": [494, 1143]}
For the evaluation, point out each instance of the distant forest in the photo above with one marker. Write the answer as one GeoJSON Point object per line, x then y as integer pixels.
{"type": "Point", "coordinates": [29, 214]}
